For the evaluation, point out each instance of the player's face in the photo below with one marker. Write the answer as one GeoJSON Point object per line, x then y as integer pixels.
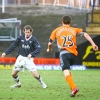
{"type": "Point", "coordinates": [28, 33]}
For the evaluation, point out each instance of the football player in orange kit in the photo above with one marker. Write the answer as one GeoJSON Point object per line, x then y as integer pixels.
{"type": "Point", "coordinates": [66, 42]}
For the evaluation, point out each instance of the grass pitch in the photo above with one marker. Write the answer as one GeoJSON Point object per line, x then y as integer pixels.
{"type": "Point", "coordinates": [88, 82]}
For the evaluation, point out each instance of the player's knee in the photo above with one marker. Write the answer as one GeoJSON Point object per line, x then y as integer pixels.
{"type": "Point", "coordinates": [13, 74]}
{"type": "Point", "coordinates": [36, 76]}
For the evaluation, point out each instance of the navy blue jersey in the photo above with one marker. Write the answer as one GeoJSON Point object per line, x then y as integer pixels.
{"type": "Point", "coordinates": [25, 47]}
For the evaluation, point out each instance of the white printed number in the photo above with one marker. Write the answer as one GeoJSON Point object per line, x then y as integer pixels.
{"type": "Point", "coordinates": [67, 41]}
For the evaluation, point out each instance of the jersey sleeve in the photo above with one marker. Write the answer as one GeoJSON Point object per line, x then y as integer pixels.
{"type": "Point", "coordinates": [37, 49]}
{"type": "Point", "coordinates": [80, 32]}
{"type": "Point", "coordinates": [53, 35]}
{"type": "Point", "coordinates": [12, 46]}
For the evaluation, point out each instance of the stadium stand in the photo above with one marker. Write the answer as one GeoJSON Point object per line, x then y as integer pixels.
{"type": "Point", "coordinates": [77, 4]}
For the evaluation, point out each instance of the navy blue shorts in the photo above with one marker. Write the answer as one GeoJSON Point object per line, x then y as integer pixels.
{"type": "Point", "coordinates": [66, 60]}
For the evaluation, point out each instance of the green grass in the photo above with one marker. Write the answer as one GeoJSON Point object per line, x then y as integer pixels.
{"type": "Point", "coordinates": [88, 82]}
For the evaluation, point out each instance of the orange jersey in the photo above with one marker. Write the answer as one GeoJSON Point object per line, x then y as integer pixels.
{"type": "Point", "coordinates": [66, 38]}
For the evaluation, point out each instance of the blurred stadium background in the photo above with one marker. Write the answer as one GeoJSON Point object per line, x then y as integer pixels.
{"type": "Point", "coordinates": [44, 17]}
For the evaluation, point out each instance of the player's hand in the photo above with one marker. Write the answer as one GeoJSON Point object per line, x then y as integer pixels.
{"type": "Point", "coordinates": [3, 54]}
{"type": "Point", "coordinates": [49, 47]}
{"type": "Point", "coordinates": [48, 50]}
{"type": "Point", "coordinates": [95, 47]}
{"type": "Point", "coordinates": [29, 56]}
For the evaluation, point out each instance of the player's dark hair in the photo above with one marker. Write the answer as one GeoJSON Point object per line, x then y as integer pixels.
{"type": "Point", "coordinates": [66, 19]}
{"type": "Point", "coordinates": [28, 27]}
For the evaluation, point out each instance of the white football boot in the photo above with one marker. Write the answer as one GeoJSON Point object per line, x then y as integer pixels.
{"type": "Point", "coordinates": [43, 84]}
{"type": "Point", "coordinates": [17, 85]}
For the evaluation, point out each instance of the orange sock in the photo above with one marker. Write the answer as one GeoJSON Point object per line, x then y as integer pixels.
{"type": "Point", "coordinates": [70, 81]}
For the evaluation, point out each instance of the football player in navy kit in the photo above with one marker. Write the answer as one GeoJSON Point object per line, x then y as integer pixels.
{"type": "Point", "coordinates": [28, 48]}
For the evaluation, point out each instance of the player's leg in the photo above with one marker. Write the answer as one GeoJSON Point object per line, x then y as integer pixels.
{"type": "Point", "coordinates": [15, 71]}
{"type": "Point", "coordinates": [38, 77]}
{"type": "Point", "coordinates": [70, 81]}
{"type": "Point", "coordinates": [66, 59]}
{"type": "Point", "coordinates": [16, 79]}
{"type": "Point", "coordinates": [32, 68]}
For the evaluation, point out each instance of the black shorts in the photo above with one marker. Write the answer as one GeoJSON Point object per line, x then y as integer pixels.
{"type": "Point", "coordinates": [66, 60]}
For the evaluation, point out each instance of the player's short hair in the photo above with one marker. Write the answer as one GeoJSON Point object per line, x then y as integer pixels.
{"type": "Point", "coordinates": [28, 27]}
{"type": "Point", "coordinates": [66, 19]}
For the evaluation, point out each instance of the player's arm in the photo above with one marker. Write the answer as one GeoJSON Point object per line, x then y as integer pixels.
{"type": "Point", "coordinates": [11, 48]}
{"type": "Point", "coordinates": [52, 38]}
{"type": "Point", "coordinates": [37, 48]}
{"type": "Point", "coordinates": [49, 45]}
{"type": "Point", "coordinates": [95, 47]}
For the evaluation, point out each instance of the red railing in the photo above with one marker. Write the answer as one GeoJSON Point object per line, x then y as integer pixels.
{"type": "Point", "coordinates": [7, 60]}
{"type": "Point", "coordinates": [36, 60]}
